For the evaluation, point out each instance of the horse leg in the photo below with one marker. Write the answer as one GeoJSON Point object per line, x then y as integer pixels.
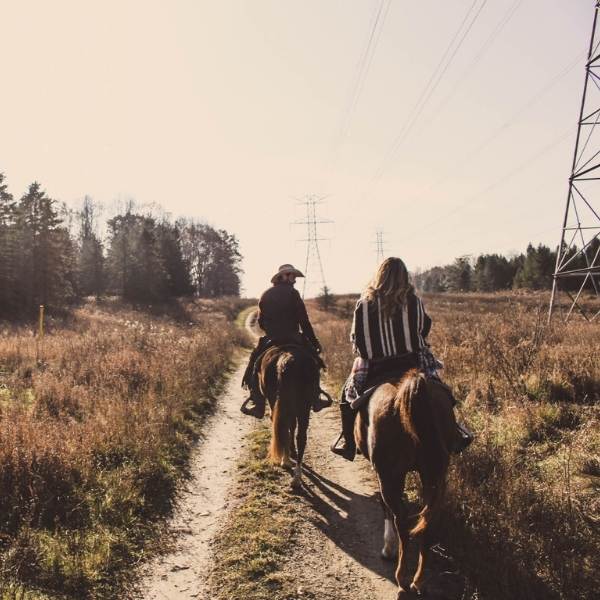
{"type": "Point", "coordinates": [293, 452]}
{"type": "Point", "coordinates": [390, 539]}
{"type": "Point", "coordinates": [391, 484]}
{"type": "Point", "coordinates": [430, 493]}
{"type": "Point", "coordinates": [286, 463]}
{"type": "Point", "coordinates": [301, 435]}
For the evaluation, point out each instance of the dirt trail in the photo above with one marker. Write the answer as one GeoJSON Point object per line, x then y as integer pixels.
{"type": "Point", "coordinates": [203, 504]}
{"type": "Point", "coordinates": [338, 554]}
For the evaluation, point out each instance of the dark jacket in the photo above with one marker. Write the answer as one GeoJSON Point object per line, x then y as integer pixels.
{"type": "Point", "coordinates": [282, 314]}
{"type": "Point", "coordinates": [376, 336]}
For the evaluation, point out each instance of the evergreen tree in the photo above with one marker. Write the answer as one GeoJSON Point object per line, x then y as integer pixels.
{"type": "Point", "coordinates": [136, 269]}
{"type": "Point", "coordinates": [492, 272]}
{"type": "Point", "coordinates": [325, 299]}
{"type": "Point", "coordinates": [171, 251]}
{"type": "Point", "coordinates": [537, 269]}
{"type": "Point", "coordinates": [90, 259]}
{"type": "Point", "coordinates": [459, 275]}
{"type": "Point", "coordinates": [45, 257]}
{"type": "Point", "coordinates": [8, 251]}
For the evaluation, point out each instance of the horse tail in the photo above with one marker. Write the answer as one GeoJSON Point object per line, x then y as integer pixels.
{"type": "Point", "coordinates": [282, 411]}
{"type": "Point", "coordinates": [418, 419]}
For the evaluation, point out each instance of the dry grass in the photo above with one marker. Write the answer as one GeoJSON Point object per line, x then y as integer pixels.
{"type": "Point", "coordinates": [524, 508]}
{"type": "Point", "coordinates": [260, 532]}
{"type": "Point", "coordinates": [97, 422]}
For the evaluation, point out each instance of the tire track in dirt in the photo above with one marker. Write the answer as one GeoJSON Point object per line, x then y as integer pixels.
{"type": "Point", "coordinates": [205, 501]}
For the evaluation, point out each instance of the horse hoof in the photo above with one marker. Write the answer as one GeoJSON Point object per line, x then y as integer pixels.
{"type": "Point", "coordinates": [416, 591]}
{"type": "Point", "coordinates": [296, 484]}
{"type": "Point", "coordinates": [286, 464]}
{"type": "Point", "coordinates": [402, 594]}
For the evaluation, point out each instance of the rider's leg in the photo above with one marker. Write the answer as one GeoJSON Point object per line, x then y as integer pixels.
{"type": "Point", "coordinates": [319, 403]}
{"type": "Point", "coordinates": [348, 448]}
{"type": "Point", "coordinates": [463, 436]}
{"type": "Point", "coordinates": [254, 404]}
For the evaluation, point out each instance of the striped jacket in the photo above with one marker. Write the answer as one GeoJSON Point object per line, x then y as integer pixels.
{"type": "Point", "coordinates": [376, 336]}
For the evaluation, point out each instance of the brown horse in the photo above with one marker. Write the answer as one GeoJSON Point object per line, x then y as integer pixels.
{"type": "Point", "coordinates": [409, 426]}
{"type": "Point", "coordinates": [289, 380]}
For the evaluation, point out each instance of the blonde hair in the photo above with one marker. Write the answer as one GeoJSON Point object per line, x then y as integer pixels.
{"type": "Point", "coordinates": [391, 285]}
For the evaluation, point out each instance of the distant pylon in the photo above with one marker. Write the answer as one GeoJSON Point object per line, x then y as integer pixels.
{"type": "Point", "coordinates": [313, 254]}
{"type": "Point", "coordinates": [379, 242]}
{"type": "Point", "coordinates": [578, 256]}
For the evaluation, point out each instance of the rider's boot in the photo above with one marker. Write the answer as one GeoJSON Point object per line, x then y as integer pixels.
{"type": "Point", "coordinates": [254, 405]}
{"type": "Point", "coordinates": [348, 449]}
{"type": "Point", "coordinates": [463, 438]}
{"type": "Point", "coordinates": [323, 400]}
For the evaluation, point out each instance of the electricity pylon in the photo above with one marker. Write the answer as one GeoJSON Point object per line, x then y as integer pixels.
{"type": "Point", "coordinates": [578, 256]}
{"type": "Point", "coordinates": [380, 244]}
{"type": "Point", "coordinates": [313, 254]}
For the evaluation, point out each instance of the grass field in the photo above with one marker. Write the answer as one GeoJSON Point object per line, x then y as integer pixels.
{"type": "Point", "coordinates": [98, 420]}
{"type": "Point", "coordinates": [523, 512]}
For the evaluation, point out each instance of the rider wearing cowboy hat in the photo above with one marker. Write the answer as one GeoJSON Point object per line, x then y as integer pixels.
{"type": "Point", "coordinates": [282, 316]}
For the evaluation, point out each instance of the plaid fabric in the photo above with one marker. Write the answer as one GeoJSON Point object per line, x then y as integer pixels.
{"type": "Point", "coordinates": [357, 379]}
{"type": "Point", "coordinates": [355, 384]}
{"type": "Point", "coordinates": [429, 364]}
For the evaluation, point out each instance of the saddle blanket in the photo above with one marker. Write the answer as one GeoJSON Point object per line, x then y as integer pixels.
{"type": "Point", "coordinates": [354, 388]}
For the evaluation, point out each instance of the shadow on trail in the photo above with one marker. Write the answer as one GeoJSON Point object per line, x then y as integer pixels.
{"type": "Point", "coordinates": [354, 522]}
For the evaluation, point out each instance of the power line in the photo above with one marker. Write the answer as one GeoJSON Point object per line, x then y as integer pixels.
{"type": "Point", "coordinates": [363, 68]}
{"type": "Point", "coordinates": [507, 124]}
{"type": "Point", "coordinates": [506, 17]}
{"type": "Point", "coordinates": [430, 88]}
{"type": "Point", "coordinates": [496, 184]}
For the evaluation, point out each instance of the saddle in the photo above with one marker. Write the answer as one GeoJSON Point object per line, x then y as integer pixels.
{"type": "Point", "coordinates": [324, 397]}
{"type": "Point", "coordinates": [290, 345]}
{"type": "Point", "coordinates": [363, 399]}
{"type": "Point", "coordinates": [383, 371]}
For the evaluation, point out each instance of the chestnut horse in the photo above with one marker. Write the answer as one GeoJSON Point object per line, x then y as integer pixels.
{"type": "Point", "coordinates": [409, 426]}
{"type": "Point", "coordinates": [289, 379]}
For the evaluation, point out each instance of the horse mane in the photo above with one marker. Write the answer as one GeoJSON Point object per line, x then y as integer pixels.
{"type": "Point", "coordinates": [409, 390]}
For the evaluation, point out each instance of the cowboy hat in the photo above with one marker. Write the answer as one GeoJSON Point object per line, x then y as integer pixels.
{"type": "Point", "coordinates": [283, 269]}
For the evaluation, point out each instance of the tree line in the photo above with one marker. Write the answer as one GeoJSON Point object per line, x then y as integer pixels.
{"type": "Point", "coordinates": [55, 256]}
{"type": "Point", "coordinates": [492, 272]}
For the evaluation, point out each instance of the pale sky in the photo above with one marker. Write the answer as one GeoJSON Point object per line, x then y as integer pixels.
{"type": "Point", "coordinates": [229, 110]}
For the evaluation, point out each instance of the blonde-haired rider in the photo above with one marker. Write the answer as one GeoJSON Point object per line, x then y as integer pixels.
{"type": "Point", "coordinates": [389, 336]}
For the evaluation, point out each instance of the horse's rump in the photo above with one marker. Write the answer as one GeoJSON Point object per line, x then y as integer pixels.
{"type": "Point", "coordinates": [410, 427]}
{"type": "Point", "coordinates": [289, 379]}
{"type": "Point", "coordinates": [425, 420]}
{"type": "Point", "coordinates": [409, 430]}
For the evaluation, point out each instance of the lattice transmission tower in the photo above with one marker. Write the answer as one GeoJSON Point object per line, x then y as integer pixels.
{"type": "Point", "coordinates": [380, 245]}
{"type": "Point", "coordinates": [577, 268]}
{"type": "Point", "coordinates": [314, 263]}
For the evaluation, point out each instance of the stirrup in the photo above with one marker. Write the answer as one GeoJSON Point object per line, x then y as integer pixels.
{"type": "Point", "coordinates": [320, 403]}
{"type": "Point", "coordinates": [466, 437]}
{"type": "Point", "coordinates": [256, 410]}
{"type": "Point", "coordinates": [344, 451]}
